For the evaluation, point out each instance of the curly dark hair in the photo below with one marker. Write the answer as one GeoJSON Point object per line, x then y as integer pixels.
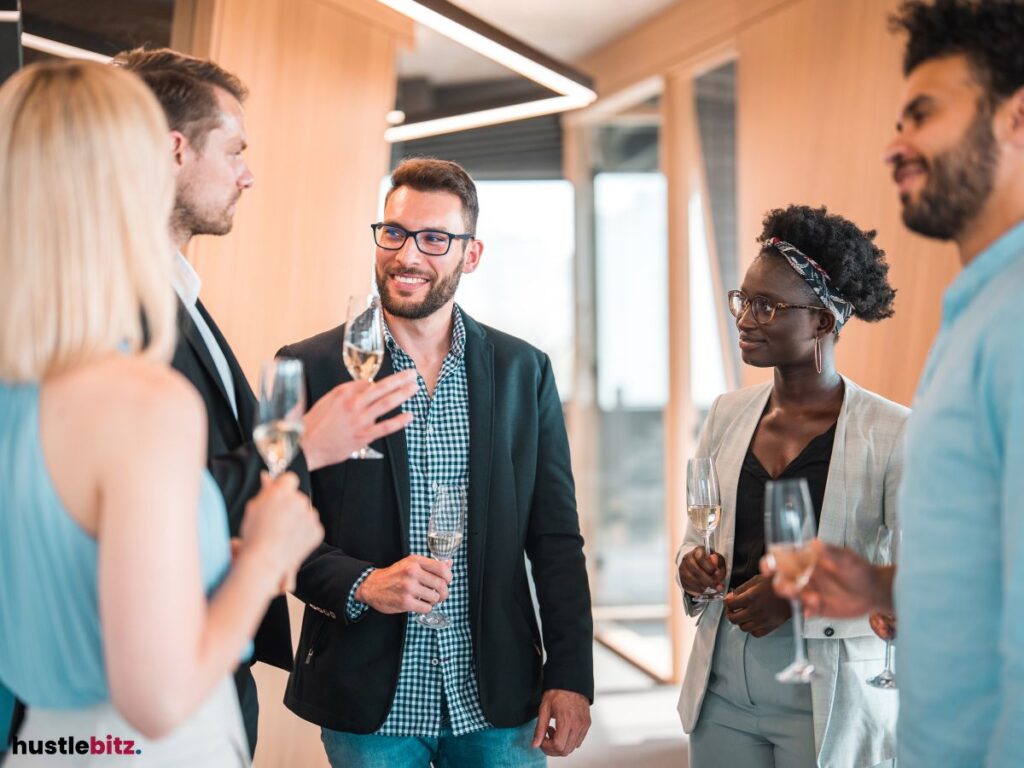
{"type": "Point", "coordinates": [990, 33]}
{"type": "Point", "coordinates": [856, 266]}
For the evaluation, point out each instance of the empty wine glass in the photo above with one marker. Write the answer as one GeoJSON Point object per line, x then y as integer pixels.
{"type": "Point", "coordinates": [789, 527]}
{"type": "Point", "coordinates": [704, 508]}
{"type": "Point", "coordinates": [884, 553]}
{"type": "Point", "coordinates": [282, 403]}
{"type": "Point", "coordinates": [444, 536]}
{"type": "Point", "coordinates": [363, 348]}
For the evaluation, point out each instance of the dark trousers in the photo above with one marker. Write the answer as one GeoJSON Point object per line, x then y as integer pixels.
{"type": "Point", "coordinates": [245, 684]}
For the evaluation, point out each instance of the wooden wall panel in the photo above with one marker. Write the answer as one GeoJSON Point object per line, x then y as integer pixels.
{"type": "Point", "coordinates": [818, 88]}
{"type": "Point", "coordinates": [321, 80]}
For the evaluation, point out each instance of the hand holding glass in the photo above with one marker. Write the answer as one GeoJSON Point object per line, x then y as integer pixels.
{"type": "Point", "coordinates": [363, 348]}
{"type": "Point", "coordinates": [789, 527]}
{"type": "Point", "coordinates": [444, 536]}
{"type": "Point", "coordinates": [704, 508]}
{"type": "Point", "coordinates": [282, 403]}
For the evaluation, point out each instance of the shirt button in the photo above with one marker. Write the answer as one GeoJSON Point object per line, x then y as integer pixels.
{"type": "Point", "coordinates": [435, 662]}
{"type": "Point", "coordinates": [829, 631]}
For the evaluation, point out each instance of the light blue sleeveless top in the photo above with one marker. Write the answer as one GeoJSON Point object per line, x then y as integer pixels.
{"type": "Point", "coordinates": [51, 652]}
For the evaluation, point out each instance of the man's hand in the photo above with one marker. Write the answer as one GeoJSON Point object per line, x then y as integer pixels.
{"type": "Point", "coordinates": [755, 608]}
{"type": "Point", "coordinates": [698, 571]}
{"type": "Point", "coordinates": [883, 625]}
{"type": "Point", "coordinates": [843, 585]}
{"type": "Point", "coordinates": [571, 713]}
{"type": "Point", "coordinates": [413, 584]}
{"type": "Point", "coordinates": [345, 419]}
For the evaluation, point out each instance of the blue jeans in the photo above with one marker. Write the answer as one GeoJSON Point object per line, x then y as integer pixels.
{"type": "Point", "coordinates": [490, 748]}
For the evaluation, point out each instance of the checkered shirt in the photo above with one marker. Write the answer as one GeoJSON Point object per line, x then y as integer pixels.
{"type": "Point", "coordinates": [437, 675]}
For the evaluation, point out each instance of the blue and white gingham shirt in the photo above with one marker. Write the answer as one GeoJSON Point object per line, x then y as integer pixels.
{"type": "Point", "coordinates": [437, 676]}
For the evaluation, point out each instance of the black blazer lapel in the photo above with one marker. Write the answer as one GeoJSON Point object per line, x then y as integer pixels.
{"type": "Point", "coordinates": [397, 454]}
{"type": "Point", "coordinates": [480, 378]}
{"type": "Point", "coordinates": [195, 340]}
{"type": "Point", "coordinates": [245, 399]}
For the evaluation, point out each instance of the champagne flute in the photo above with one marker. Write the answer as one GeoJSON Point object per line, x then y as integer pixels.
{"type": "Point", "coordinates": [704, 508]}
{"type": "Point", "coordinates": [886, 546]}
{"type": "Point", "coordinates": [282, 403]}
{"type": "Point", "coordinates": [363, 348]}
{"type": "Point", "coordinates": [789, 527]}
{"type": "Point", "coordinates": [444, 536]}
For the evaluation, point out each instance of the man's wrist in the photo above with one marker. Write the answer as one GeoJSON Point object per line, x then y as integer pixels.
{"type": "Point", "coordinates": [308, 447]}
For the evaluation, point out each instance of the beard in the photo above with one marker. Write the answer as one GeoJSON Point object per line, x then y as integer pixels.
{"type": "Point", "coordinates": [439, 294]}
{"type": "Point", "coordinates": [959, 182]}
{"type": "Point", "coordinates": [201, 219]}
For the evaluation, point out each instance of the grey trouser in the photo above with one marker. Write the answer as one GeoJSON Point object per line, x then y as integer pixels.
{"type": "Point", "coordinates": [748, 719]}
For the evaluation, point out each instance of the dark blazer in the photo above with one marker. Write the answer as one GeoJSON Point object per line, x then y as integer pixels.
{"type": "Point", "coordinates": [232, 458]}
{"type": "Point", "coordinates": [521, 500]}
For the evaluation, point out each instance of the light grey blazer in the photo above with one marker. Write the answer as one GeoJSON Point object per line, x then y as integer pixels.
{"type": "Point", "coordinates": [854, 724]}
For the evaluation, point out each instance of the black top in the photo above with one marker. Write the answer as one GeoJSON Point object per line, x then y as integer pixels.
{"type": "Point", "coordinates": [812, 465]}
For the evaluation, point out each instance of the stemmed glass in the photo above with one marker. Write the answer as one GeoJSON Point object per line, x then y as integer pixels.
{"type": "Point", "coordinates": [363, 348]}
{"type": "Point", "coordinates": [704, 508]}
{"type": "Point", "coordinates": [886, 546]}
{"type": "Point", "coordinates": [789, 527]}
{"type": "Point", "coordinates": [282, 403]}
{"type": "Point", "coordinates": [444, 536]}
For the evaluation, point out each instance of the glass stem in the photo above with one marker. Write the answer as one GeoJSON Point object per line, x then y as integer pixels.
{"type": "Point", "coordinates": [707, 543]}
{"type": "Point", "coordinates": [798, 630]}
{"type": "Point", "coordinates": [888, 656]}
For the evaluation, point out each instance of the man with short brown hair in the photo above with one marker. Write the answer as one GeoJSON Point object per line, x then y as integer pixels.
{"type": "Point", "coordinates": [203, 105]}
{"type": "Point", "coordinates": [386, 689]}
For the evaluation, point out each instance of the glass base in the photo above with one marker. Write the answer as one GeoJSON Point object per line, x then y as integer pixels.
{"type": "Point", "coordinates": [797, 672]}
{"type": "Point", "coordinates": [709, 597]}
{"type": "Point", "coordinates": [884, 679]}
{"type": "Point", "coordinates": [367, 453]}
{"type": "Point", "coordinates": [433, 620]}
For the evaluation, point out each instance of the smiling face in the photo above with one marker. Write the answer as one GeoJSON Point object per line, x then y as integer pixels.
{"type": "Point", "coordinates": [411, 284]}
{"type": "Point", "coordinates": [210, 180]}
{"type": "Point", "coordinates": [789, 338]}
{"type": "Point", "coordinates": [945, 156]}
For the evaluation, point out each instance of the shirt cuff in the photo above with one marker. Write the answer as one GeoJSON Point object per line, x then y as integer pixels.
{"type": "Point", "coordinates": [354, 609]}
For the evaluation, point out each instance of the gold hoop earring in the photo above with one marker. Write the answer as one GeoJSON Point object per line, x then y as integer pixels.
{"type": "Point", "coordinates": [817, 354]}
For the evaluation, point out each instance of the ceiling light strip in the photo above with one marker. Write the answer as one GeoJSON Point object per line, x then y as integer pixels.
{"type": "Point", "coordinates": [483, 118]}
{"type": "Point", "coordinates": [494, 45]}
{"type": "Point", "coordinates": [12, 16]}
{"type": "Point", "coordinates": [63, 50]}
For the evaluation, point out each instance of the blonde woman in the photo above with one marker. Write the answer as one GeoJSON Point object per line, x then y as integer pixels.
{"type": "Point", "coordinates": [102, 632]}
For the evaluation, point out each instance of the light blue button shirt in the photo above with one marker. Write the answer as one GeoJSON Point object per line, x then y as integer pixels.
{"type": "Point", "coordinates": [960, 583]}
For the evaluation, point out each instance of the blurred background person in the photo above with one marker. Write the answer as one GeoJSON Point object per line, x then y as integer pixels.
{"type": "Point", "coordinates": [815, 271]}
{"type": "Point", "coordinates": [110, 528]}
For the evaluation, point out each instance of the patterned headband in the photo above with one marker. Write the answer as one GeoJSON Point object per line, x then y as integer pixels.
{"type": "Point", "coordinates": [816, 277]}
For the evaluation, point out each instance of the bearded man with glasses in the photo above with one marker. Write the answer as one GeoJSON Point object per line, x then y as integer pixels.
{"type": "Point", "coordinates": [386, 689]}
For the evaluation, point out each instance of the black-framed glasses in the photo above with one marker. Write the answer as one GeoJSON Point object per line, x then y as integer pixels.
{"type": "Point", "coordinates": [761, 308]}
{"type": "Point", "coordinates": [431, 242]}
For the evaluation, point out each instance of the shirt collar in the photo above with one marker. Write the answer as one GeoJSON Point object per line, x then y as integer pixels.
{"type": "Point", "coordinates": [985, 268]}
{"type": "Point", "coordinates": [186, 281]}
{"type": "Point", "coordinates": [458, 348]}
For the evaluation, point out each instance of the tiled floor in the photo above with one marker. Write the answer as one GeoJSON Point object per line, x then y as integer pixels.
{"type": "Point", "coordinates": [635, 723]}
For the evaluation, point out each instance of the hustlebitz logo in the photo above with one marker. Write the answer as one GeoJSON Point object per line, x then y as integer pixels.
{"type": "Point", "coordinates": [69, 745]}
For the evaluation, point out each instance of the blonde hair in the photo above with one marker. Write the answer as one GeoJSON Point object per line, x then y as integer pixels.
{"type": "Point", "coordinates": [87, 188]}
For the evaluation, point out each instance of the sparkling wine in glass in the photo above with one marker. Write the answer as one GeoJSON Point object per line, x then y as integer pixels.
{"type": "Point", "coordinates": [884, 553]}
{"type": "Point", "coordinates": [445, 531]}
{"type": "Point", "coordinates": [789, 528]}
{"type": "Point", "coordinates": [704, 508]}
{"type": "Point", "coordinates": [282, 402]}
{"type": "Point", "coordinates": [363, 348]}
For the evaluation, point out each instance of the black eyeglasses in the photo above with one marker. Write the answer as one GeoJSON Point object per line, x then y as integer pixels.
{"type": "Point", "coordinates": [762, 309]}
{"type": "Point", "coordinates": [431, 242]}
